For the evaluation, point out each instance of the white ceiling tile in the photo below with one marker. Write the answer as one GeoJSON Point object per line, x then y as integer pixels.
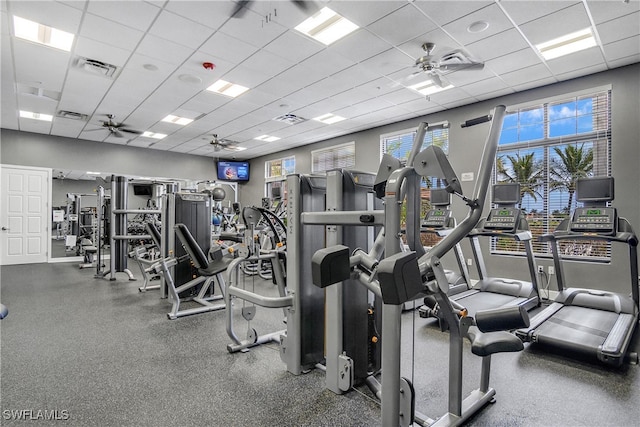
{"type": "Point", "coordinates": [140, 142]}
{"type": "Point", "coordinates": [180, 30]}
{"type": "Point", "coordinates": [264, 61]}
{"type": "Point", "coordinates": [4, 27]}
{"type": "Point", "coordinates": [78, 4]}
{"type": "Point", "coordinates": [603, 11]}
{"type": "Point", "coordinates": [444, 12]}
{"type": "Point", "coordinates": [326, 63]}
{"type": "Point", "coordinates": [356, 75]}
{"type": "Point", "coordinates": [353, 96]}
{"type": "Point", "coordinates": [380, 86]}
{"type": "Point", "coordinates": [164, 50]}
{"type": "Point", "coordinates": [246, 77]}
{"type": "Point", "coordinates": [35, 63]}
{"type": "Point", "coordinates": [407, 23]}
{"type": "Point", "coordinates": [94, 49]}
{"type": "Point", "coordinates": [363, 16]}
{"type": "Point", "coordinates": [578, 60]}
{"type": "Point", "coordinates": [359, 45]}
{"type": "Point", "coordinates": [293, 46]}
{"type": "Point", "coordinates": [627, 60]}
{"type": "Point", "coordinates": [525, 11]}
{"type": "Point", "coordinates": [443, 44]}
{"type": "Point", "coordinates": [36, 126]}
{"type": "Point", "coordinates": [37, 104]}
{"type": "Point", "coordinates": [67, 127]}
{"type": "Point", "coordinates": [492, 14]}
{"type": "Point", "coordinates": [210, 13]}
{"type": "Point", "coordinates": [134, 14]}
{"type": "Point", "coordinates": [622, 48]}
{"type": "Point", "coordinates": [388, 62]}
{"type": "Point", "coordinates": [287, 14]}
{"type": "Point", "coordinates": [524, 75]}
{"type": "Point", "coordinates": [258, 97]}
{"type": "Point", "coordinates": [563, 22]}
{"type": "Point", "coordinates": [49, 13]}
{"type": "Point", "coordinates": [464, 77]}
{"type": "Point", "coordinates": [229, 48]}
{"type": "Point", "coordinates": [474, 89]}
{"type": "Point", "coordinates": [513, 61]}
{"type": "Point", "coordinates": [582, 72]}
{"type": "Point", "coordinates": [252, 29]}
{"type": "Point", "coordinates": [330, 86]}
{"type": "Point", "coordinates": [401, 96]}
{"type": "Point", "coordinates": [533, 84]}
{"type": "Point", "coordinates": [620, 28]}
{"type": "Point", "coordinates": [110, 32]}
{"type": "Point", "coordinates": [497, 45]}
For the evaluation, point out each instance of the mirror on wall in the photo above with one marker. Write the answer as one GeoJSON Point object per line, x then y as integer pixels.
{"type": "Point", "coordinates": [74, 204]}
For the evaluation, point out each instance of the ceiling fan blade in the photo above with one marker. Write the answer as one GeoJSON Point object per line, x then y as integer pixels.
{"type": "Point", "coordinates": [137, 132]}
{"type": "Point", "coordinates": [232, 147]}
{"type": "Point", "coordinates": [94, 130]}
{"type": "Point", "coordinates": [436, 80]}
{"type": "Point", "coordinates": [302, 5]}
{"type": "Point", "coordinates": [240, 10]}
{"type": "Point", "coordinates": [117, 133]}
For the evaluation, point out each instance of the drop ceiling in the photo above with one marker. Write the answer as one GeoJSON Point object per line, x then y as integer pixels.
{"type": "Point", "coordinates": [159, 48]}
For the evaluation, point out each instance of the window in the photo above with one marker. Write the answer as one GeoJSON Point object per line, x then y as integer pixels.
{"type": "Point", "coordinates": [338, 156]}
{"type": "Point", "coordinates": [399, 144]}
{"type": "Point", "coordinates": [275, 173]}
{"type": "Point", "coordinates": [546, 147]}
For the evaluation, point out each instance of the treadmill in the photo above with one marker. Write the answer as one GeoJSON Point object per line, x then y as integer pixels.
{"type": "Point", "coordinates": [440, 222]}
{"type": "Point", "coordinates": [504, 221]}
{"type": "Point", "coordinates": [588, 323]}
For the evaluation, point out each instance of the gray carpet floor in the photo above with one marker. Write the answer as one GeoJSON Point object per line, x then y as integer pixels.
{"type": "Point", "coordinates": [102, 354]}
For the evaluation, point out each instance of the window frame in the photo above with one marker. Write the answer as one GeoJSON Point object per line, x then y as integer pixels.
{"type": "Point", "coordinates": [600, 143]}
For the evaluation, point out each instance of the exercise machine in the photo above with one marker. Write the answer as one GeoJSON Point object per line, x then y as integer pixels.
{"type": "Point", "coordinates": [593, 324]}
{"type": "Point", "coordinates": [402, 276]}
{"type": "Point", "coordinates": [439, 221]}
{"type": "Point", "coordinates": [505, 221]}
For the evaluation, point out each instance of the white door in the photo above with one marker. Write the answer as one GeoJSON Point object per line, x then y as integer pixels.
{"type": "Point", "coordinates": [24, 215]}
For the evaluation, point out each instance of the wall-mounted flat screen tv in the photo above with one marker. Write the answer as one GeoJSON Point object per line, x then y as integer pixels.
{"type": "Point", "coordinates": [233, 171]}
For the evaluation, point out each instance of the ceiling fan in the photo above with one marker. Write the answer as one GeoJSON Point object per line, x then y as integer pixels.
{"type": "Point", "coordinates": [223, 144]}
{"type": "Point", "coordinates": [115, 128]}
{"type": "Point", "coordinates": [449, 62]}
{"type": "Point", "coordinates": [241, 7]}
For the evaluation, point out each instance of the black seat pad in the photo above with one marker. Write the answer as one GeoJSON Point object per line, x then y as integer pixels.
{"type": "Point", "coordinates": [488, 343]}
{"type": "Point", "coordinates": [215, 267]}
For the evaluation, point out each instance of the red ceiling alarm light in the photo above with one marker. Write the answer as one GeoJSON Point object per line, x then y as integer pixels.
{"type": "Point", "coordinates": [208, 65]}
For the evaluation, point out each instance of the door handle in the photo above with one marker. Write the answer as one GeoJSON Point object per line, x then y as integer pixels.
{"type": "Point", "coordinates": [5, 229]}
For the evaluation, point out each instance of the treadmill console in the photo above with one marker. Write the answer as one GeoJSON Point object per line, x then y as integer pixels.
{"type": "Point", "coordinates": [503, 218]}
{"type": "Point", "coordinates": [600, 220]}
{"type": "Point", "coordinates": [436, 218]}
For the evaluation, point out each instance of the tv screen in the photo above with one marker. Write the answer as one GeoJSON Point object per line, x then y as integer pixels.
{"type": "Point", "coordinates": [233, 171]}
{"type": "Point", "coordinates": [506, 193]}
{"type": "Point", "coordinates": [595, 189]}
{"type": "Point", "coordinates": [142, 190]}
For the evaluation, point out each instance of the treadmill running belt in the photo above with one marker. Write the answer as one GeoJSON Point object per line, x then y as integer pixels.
{"type": "Point", "coordinates": [577, 329]}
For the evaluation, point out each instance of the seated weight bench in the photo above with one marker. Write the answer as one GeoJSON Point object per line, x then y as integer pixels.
{"type": "Point", "coordinates": [208, 272]}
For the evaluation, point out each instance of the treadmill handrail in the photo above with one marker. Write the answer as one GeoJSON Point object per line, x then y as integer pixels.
{"type": "Point", "coordinates": [521, 236]}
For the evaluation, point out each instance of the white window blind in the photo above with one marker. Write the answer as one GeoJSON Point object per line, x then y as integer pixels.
{"type": "Point", "coordinates": [546, 148]}
{"type": "Point", "coordinates": [338, 156]}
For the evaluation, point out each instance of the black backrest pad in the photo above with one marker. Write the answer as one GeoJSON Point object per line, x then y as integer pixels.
{"type": "Point", "coordinates": [191, 246]}
{"type": "Point", "coordinates": [152, 230]}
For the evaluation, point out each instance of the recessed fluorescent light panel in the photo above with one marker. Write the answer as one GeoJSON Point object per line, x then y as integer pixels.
{"type": "Point", "coordinates": [36, 116]}
{"type": "Point", "coordinates": [229, 89]}
{"type": "Point", "coordinates": [153, 135]}
{"type": "Point", "coordinates": [567, 44]}
{"type": "Point", "coordinates": [329, 119]}
{"type": "Point", "coordinates": [428, 87]}
{"type": "Point", "coordinates": [93, 173]}
{"type": "Point", "coordinates": [266, 138]}
{"type": "Point", "coordinates": [177, 120]}
{"type": "Point", "coordinates": [38, 33]}
{"type": "Point", "coordinates": [326, 26]}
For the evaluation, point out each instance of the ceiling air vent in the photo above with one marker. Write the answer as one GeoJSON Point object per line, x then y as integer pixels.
{"type": "Point", "coordinates": [71, 115]}
{"type": "Point", "coordinates": [94, 66]}
{"type": "Point", "coordinates": [290, 119]}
